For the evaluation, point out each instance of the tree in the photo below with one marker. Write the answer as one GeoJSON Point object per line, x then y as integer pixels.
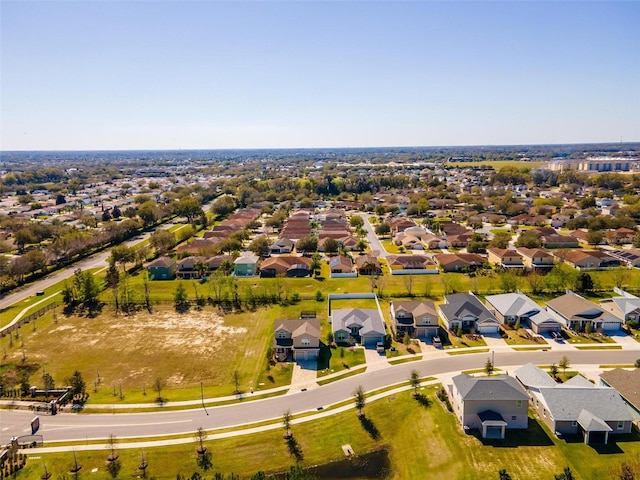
{"type": "Point", "coordinates": [529, 239]}
{"type": "Point", "coordinates": [286, 423]}
{"type": "Point", "coordinates": [504, 475]}
{"type": "Point", "coordinates": [259, 246]}
{"type": "Point", "coordinates": [307, 245]}
{"type": "Point", "coordinates": [188, 207]}
{"type": "Point", "coordinates": [553, 370]}
{"type": "Point", "coordinates": [331, 246]}
{"type": "Point", "coordinates": [620, 276]}
{"type": "Point", "coordinates": [77, 384]}
{"type": "Point", "coordinates": [162, 241]}
{"type": "Point", "coordinates": [360, 399]}
{"type": "Point", "coordinates": [584, 282]}
{"type": "Point", "coordinates": [180, 298]}
{"type": "Point", "coordinates": [236, 381]}
{"type": "Point", "coordinates": [565, 475]}
{"type": "Point", "coordinates": [500, 240]}
{"type": "Point", "coordinates": [637, 364]}
{"type": "Point", "coordinates": [564, 364]}
{"type": "Point", "coordinates": [224, 205]}
{"type": "Point", "coordinates": [47, 382]}
{"type": "Point", "coordinates": [383, 229]}
{"type": "Point", "coordinates": [111, 445]}
{"type": "Point", "coordinates": [488, 367]}
{"type": "Point", "coordinates": [158, 385]}
{"type": "Point", "coordinates": [594, 237]}
{"type": "Point", "coordinates": [112, 280]}
{"type": "Point", "coordinates": [361, 245]}
{"type": "Point", "coordinates": [414, 381]}
{"type": "Point", "coordinates": [122, 254]}
{"type": "Point", "coordinates": [356, 221]}
{"type": "Point", "coordinates": [509, 282]}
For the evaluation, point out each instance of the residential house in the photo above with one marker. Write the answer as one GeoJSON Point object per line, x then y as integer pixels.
{"type": "Point", "coordinates": [214, 263]}
{"type": "Point", "coordinates": [459, 262]}
{"type": "Point", "coordinates": [536, 260]}
{"type": "Point", "coordinates": [199, 246]}
{"type": "Point", "coordinates": [620, 236]}
{"type": "Point", "coordinates": [400, 224]}
{"type": "Point", "coordinates": [510, 308]}
{"type": "Point", "coordinates": [368, 265]}
{"type": "Point", "coordinates": [578, 407]}
{"type": "Point", "coordinates": [282, 245]}
{"type": "Point", "coordinates": [627, 384]}
{"type": "Point", "coordinates": [356, 325]}
{"type": "Point", "coordinates": [341, 264]}
{"type": "Point", "coordinates": [285, 265]}
{"type": "Point", "coordinates": [490, 404]}
{"type": "Point", "coordinates": [408, 241]}
{"type": "Point", "coordinates": [576, 312]}
{"type": "Point", "coordinates": [463, 310]}
{"type": "Point", "coordinates": [506, 258]}
{"type": "Point", "coordinates": [415, 264]}
{"type": "Point", "coordinates": [162, 268]}
{"type": "Point", "coordinates": [296, 339]}
{"type": "Point", "coordinates": [550, 238]}
{"type": "Point", "coordinates": [191, 267]}
{"type": "Point", "coordinates": [246, 266]}
{"type": "Point", "coordinates": [417, 318]}
{"type": "Point", "coordinates": [625, 307]}
{"type": "Point", "coordinates": [584, 237]}
{"type": "Point", "coordinates": [588, 259]}
{"type": "Point", "coordinates": [630, 257]}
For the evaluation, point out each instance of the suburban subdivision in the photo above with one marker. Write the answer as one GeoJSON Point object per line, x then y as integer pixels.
{"type": "Point", "coordinates": [451, 312]}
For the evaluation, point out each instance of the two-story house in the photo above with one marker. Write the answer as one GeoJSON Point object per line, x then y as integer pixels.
{"type": "Point", "coordinates": [417, 318]}
{"type": "Point", "coordinates": [296, 340]}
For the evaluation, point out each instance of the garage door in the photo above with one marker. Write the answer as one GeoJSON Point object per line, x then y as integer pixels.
{"type": "Point", "coordinates": [488, 329]}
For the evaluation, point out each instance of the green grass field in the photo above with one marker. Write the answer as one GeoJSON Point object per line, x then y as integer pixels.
{"type": "Point", "coordinates": [401, 422]}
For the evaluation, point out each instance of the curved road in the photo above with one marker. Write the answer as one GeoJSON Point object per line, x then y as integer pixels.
{"type": "Point", "coordinates": [68, 426]}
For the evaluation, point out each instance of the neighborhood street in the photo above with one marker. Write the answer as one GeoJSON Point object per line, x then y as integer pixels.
{"type": "Point", "coordinates": [82, 427]}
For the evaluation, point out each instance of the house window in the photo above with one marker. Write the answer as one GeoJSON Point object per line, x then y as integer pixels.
{"type": "Point", "coordinates": [513, 417]}
{"type": "Point", "coordinates": [620, 425]}
{"type": "Point", "coordinates": [282, 334]}
{"type": "Point", "coordinates": [544, 413]}
{"type": "Point", "coordinates": [574, 424]}
{"type": "Point", "coordinates": [426, 320]}
{"type": "Point", "coordinates": [305, 342]}
{"type": "Point", "coordinates": [519, 403]}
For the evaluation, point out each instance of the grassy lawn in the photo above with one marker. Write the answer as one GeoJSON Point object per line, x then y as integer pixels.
{"type": "Point", "coordinates": [588, 338]}
{"type": "Point", "coordinates": [518, 337]}
{"type": "Point", "coordinates": [599, 347]}
{"type": "Point", "coordinates": [401, 423]}
{"type": "Point", "coordinates": [331, 360]}
{"type": "Point", "coordinates": [464, 352]}
{"type": "Point", "coordinates": [364, 303]}
{"type": "Point", "coordinates": [391, 247]}
{"type": "Point", "coordinates": [465, 341]}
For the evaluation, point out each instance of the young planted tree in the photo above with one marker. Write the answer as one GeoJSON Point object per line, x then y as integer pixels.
{"type": "Point", "coordinates": [488, 367]}
{"type": "Point", "coordinates": [236, 381]}
{"type": "Point", "coordinates": [200, 437]}
{"type": "Point", "coordinates": [286, 423]}
{"type": "Point", "coordinates": [414, 381]}
{"type": "Point", "coordinates": [564, 364]}
{"type": "Point", "coordinates": [553, 370]}
{"type": "Point", "coordinates": [180, 299]}
{"type": "Point", "coordinates": [503, 475]}
{"type": "Point", "coordinates": [158, 385]}
{"type": "Point", "coordinates": [360, 400]}
{"type": "Point", "coordinates": [111, 445]}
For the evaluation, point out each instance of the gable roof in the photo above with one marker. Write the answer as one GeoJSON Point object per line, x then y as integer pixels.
{"type": "Point", "coordinates": [501, 387]}
{"type": "Point", "coordinates": [574, 307]}
{"type": "Point", "coordinates": [162, 262]}
{"type": "Point", "coordinates": [567, 403]}
{"type": "Point", "coordinates": [460, 305]}
{"type": "Point", "coordinates": [626, 382]}
{"type": "Point", "coordinates": [519, 305]}
{"type": "Point", "coordinates": [369, 319]}
{"type": "Point", "coordinates": [533, 377]}
{"type": "Point", "coordinates": [417, 308]}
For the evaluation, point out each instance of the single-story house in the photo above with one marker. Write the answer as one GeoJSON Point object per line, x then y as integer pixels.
{"type": "Point", "coordinates": [296, 339]}
{"type": "Point", "coordinates": [588, 259]}
{"type": "Point", "coordinates": [575, 312]}
{"type": "Point", "coordinates": [464, 310]}
{"type": "Point", "coordinates": [505, 257]}
{"type": "Point", "coordinates": [163, 268]}
{"type": "Point", "coordinates": [191, 267]}
{"type": "Point", "coordinates": [368, 265]}
{"type": "Point", "coordinates": [625, 307]}
{"type": "Point", "coordinates": [417, 318]}
{"type": "Point", "coordinates": [357, 325]}
{"type": "Point", "coordinates": [512, 307]}
{"type": "Point", "coordinates": [457, 262]}
{"type": "Point", "coordinates": [282, 245]}
{"type": "Point", "coordinates": [490, 404]}
{"type": "Point", "coordinates": [416, 263]}
{"type": "Point", "coordinates": [341, 264]}
{"type": "Point", "coordinates": [579, 407]}
{"type": "Point", "coordinates": [286, 265]}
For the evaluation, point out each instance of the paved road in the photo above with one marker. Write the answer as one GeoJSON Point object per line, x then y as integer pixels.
{"type": "Point", "coordinates": [68, 426]}
{"type": "Point", "coordinates": [372, 238]}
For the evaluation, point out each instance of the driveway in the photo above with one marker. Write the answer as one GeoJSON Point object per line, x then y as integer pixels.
{"type": "Point", "coordinates": [375, 360]}
{"type": "Point", "coordinates": [494, 340]}
{"type": "Point", "coordinates": [372, 238]}
{"type": "Point", "coordinates": [304, 376]}
{"type": "Point", "coordinates": [627, 341]}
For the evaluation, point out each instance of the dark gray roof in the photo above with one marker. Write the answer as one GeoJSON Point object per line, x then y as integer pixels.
{"type": "Point", "coordinates": [533, 377]}
{"type": "Point", "coordinates": [460, 305]}
{"type": "Point", "coordinates": [501, 387]}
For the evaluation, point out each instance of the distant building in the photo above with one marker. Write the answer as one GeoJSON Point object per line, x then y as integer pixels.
{"type": "Point", "coordinates": [593, 164]}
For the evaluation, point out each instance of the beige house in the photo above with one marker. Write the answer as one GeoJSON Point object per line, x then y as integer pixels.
{"type": "Point", "coordinates": [505, 257]}
{"type": "Point", "coordinates": [296, 340]}
{"type": "Point", "coordinates": [536, 259]}
{"type": "Point", "coordinates": [417, 318]}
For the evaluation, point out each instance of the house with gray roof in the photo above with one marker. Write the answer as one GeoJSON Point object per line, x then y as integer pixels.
{"type": "Point", "coordinates": [358, 325]}
{"type": "Point", "coordinates": [577, 407]}
{"type": "Point", "coordinates": [510, 308]}
{"type": "Point", "coordinates": [490, 404]}
{"type": "Point", "coordinates": [625, 307]}
{"type": "Point", "coordinates": [533, 378]}
{"type": "Point", "coordinates": [575, 312]}
{"type": "Point", "coordinates": [466, 311]}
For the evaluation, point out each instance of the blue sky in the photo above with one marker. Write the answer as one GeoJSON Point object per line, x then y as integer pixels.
{"type": "Point", "coordinates": [158, 75]}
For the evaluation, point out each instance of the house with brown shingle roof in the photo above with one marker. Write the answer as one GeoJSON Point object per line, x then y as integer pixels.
{"type": "Point", "coordinates": [505, 257]}
{"type": "Point", "coordinates": [414, 263]}
{"type": "Point", "coordinates": [417, 318]}
{"type": "Point", "coordinates": [296, 340]}
{"type": "Point", "coordinates": [627, 384]}
{"type": "Point", "coordinates": [575, 312]}
{"type": "Point", "coordinates": [457, 262]}
{"type": "Point", "coordinates": [536, 259]}
{"type": "Point", "coordinates": [588, 259]}
{"type": "Point", "coordinates": [287, 265]}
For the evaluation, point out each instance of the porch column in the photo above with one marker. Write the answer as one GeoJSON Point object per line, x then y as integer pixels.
{"type": "Point", "coordinates": [503, 431]}
{"type": "Point", "coordinates": [484, 431]}
{"type": "Point", "coordinates": [606, 438]}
